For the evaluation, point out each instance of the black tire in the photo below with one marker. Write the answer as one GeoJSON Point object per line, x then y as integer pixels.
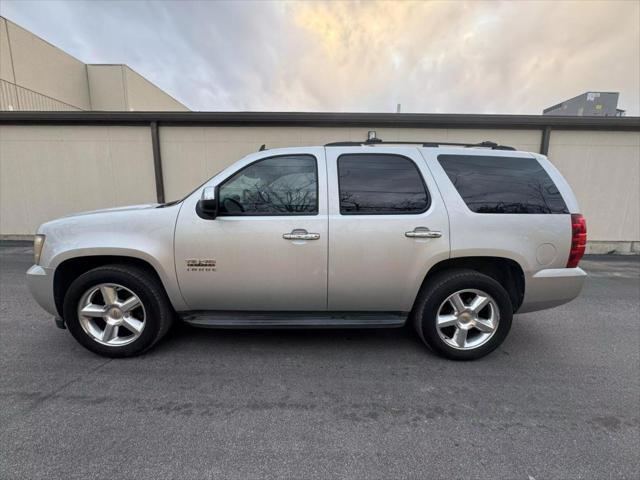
{"type": "Point", "coordinates": [438, 289]}
{"type": "Point", "coordinates": [158, 309]}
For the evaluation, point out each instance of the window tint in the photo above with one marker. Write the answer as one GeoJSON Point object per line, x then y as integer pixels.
{"type": "Point", "coordinates": [379, 183]}
{"type": "Point", "coordinates": [284, 185]}
{"type": "Point", "coordinates": [503, 184]}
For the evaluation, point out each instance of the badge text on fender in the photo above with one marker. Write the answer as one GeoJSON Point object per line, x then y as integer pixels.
{"type": "Point", "coordinates": [201, 265]}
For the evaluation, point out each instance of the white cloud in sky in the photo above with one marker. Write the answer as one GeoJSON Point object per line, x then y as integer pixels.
{"type": "Point", "coordinates": [446, 57]}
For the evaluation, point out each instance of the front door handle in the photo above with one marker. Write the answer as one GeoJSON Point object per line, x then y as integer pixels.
{"type": "Point", "coordinates": [423, 232]}
{"type": "Point", "coordinates": [300, 234]}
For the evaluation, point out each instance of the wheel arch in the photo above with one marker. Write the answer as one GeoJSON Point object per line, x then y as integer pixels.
{"type": "Point", "coordinates": [71, 268]}
{"type": "Point", "coordinates": [505, 271]}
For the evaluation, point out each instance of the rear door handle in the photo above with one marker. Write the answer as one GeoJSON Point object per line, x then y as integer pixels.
{"type": "Point", "coordinates": [423, 232]}
{"type": "Point", "coordinates": [300, 234]}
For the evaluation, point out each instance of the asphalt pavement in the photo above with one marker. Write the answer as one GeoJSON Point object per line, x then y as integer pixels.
{"type": "Point", "coordinates": [559, 399]}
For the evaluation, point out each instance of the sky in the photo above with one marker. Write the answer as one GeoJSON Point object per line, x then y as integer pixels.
{"type": "Point", "coordinates": [510, 57]}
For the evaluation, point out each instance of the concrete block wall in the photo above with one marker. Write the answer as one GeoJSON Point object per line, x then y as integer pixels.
{"type": "Point", "coordinates": [603, 169]}
{"type": "Point", "coordinates": [49, 171]}
{"type": "Point", "coordinates": [190, 155]}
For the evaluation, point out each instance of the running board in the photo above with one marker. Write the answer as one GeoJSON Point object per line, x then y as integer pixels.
{"type": "Point", "coordinates": [226, 319]}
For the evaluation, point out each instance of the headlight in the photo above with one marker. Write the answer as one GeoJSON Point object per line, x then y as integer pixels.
{"type": "Point", "coordinates": [38, 243]}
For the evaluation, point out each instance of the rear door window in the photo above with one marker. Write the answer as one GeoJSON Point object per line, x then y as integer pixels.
{"type": "Point", "coordinates": [375, 184]}
{"type": "Point", "coordinates": [503, 184]}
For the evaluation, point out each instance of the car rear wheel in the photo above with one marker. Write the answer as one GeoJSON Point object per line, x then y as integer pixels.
{"type": "Point", "coordinates": [117, 310]}
{"type": "Point", "coordinates": [463, 314]}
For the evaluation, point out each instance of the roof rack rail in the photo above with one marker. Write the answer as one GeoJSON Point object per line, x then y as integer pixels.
{"type": "Point", "coordinates": [373, 140]}
{"type": "Point", "coordinates": [485, 144]}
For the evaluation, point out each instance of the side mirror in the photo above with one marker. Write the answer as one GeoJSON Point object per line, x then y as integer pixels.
{"type": "Point", "coordinates": [207, 206]}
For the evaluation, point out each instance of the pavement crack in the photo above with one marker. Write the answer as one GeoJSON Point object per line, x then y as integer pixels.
{"type": "Point", "coordinates": [41, 400]}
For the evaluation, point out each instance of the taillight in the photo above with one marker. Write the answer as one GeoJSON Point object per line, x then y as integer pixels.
{"type": "Point", "coordinates": [578, 239]}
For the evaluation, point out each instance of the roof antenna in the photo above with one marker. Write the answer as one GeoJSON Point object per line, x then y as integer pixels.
{"type": "Point", "coordinates": [372, 138]}
{"type": "Point", "coordinates": [262, 147]}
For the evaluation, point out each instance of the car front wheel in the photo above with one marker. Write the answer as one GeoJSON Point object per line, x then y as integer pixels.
{"type": "Point", "coordinates": [117, 310]}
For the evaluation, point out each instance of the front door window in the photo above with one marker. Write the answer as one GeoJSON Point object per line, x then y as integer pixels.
{"type": "Point", "coordinates": [282, 185]}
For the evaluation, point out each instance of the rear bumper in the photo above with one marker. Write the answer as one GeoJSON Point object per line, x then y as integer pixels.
{"type": "Point", "coordinates": [40, 282]}
{"type": "Point", "coordinates": [552, 287]}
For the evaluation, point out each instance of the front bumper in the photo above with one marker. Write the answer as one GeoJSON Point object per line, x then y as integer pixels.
{"type": "Point", "coordinates": [552, 287]}
{"type": "Point", "coordinates": [40, 282]}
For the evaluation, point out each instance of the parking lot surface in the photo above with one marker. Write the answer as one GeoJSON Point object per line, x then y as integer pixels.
{"type": "Point", "coordinates": [560, 398]}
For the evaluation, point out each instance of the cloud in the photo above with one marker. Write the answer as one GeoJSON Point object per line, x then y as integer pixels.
{"type": "Point", "coordinates": [475, 57]}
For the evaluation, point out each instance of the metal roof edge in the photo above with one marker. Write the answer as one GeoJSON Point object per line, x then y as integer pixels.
{"type": "Point", "coordinates": [322, 119]}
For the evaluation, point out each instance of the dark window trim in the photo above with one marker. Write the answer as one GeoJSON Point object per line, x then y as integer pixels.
{"type": "Point", "coordinates": [500, 213]}
{"type": "Point", "coordinates": [300, 214]}
{"type": "Point", "coordinates": [415, 165]}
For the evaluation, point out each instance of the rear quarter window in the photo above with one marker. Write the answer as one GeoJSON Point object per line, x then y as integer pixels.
{"type": "Point", "coordinates": [503, 184]}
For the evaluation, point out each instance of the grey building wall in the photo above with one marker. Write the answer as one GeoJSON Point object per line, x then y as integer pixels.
{"type": "Point", "coordinates": [50, 171]}
{"type": "Point", "coordinates": [119, 88]}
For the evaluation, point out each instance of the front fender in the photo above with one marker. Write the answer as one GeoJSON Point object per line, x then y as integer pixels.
{"type": "Point", "coordinates": [145, 234]}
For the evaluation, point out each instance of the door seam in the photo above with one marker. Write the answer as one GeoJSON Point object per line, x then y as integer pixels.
{"type": "Point", "coordinates": [326, 177]}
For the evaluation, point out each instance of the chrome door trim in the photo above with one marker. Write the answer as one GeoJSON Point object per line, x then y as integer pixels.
{"type": "Point", "coordinates": [423, 232]}
{"type": "Point", "coordinates": [300, 234]}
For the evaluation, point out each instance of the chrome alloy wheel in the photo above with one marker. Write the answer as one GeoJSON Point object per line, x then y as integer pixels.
{"type": "Point", "coordinates": [111, 314]}
{"type": "Point", "coordinates": [467, 319]}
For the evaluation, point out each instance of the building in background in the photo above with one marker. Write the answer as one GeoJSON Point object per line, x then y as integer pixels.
{"type": "Point", "coordinates": [589, 104]}
{"type": "Point", "coordinates": [35, 75]}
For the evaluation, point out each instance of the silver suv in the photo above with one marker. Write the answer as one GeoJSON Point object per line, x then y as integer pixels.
{"type": "Point", "coordinates": [451, 238]}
